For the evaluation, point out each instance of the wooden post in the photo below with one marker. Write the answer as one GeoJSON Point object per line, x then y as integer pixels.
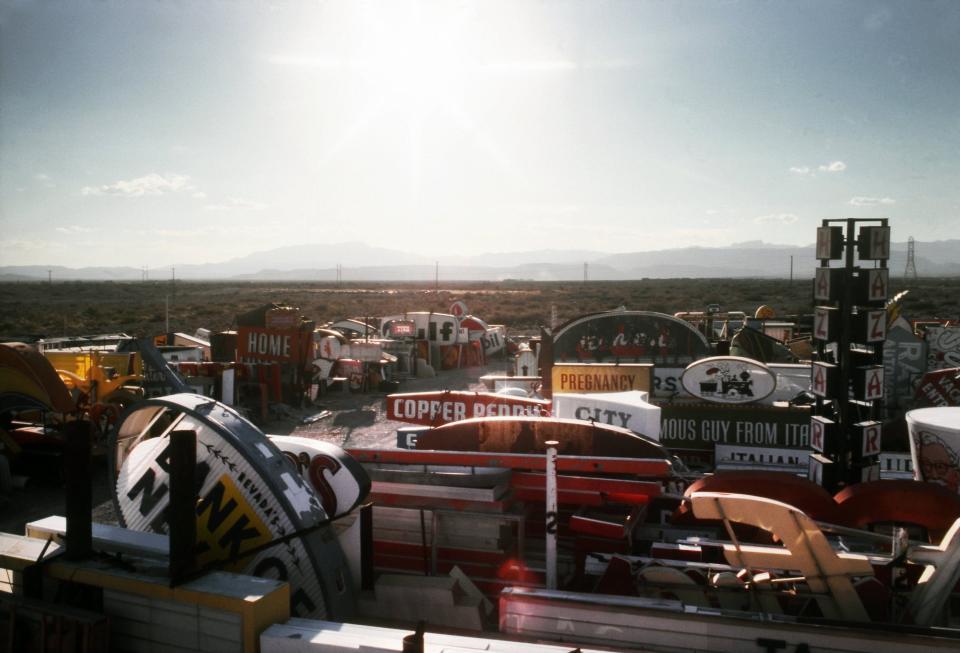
{"type": "Point", "coordinates": [182, 516]}
{"type": "Point", "coordinates": [79, 501]}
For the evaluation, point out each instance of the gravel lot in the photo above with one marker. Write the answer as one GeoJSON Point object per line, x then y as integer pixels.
{"type": "Point", "coordinates": [356, 420]}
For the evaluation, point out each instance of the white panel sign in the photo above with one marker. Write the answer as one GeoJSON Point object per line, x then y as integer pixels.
{"type": "Point", "coordinates": [743, 457]}
{"type": "Point", "coordinates": [629, 410]}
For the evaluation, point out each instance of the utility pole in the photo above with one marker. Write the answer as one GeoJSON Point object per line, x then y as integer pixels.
{"type": "Point", "coordinates": [585, 265]}
{"type": "Point", "coordinates": [50, 276]}
{"type": "Point", "coordinates": [436, 278]}
{"type": "Point", "coordinates": [911, 272]}
{"type": "Point", "coordinates": [791, 269]}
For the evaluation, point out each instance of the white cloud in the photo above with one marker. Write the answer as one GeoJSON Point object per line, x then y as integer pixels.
{"type": "Point", "coordinates": [151, 184]}
{"type": "Point", "coordinates": [236, 204]}
{"type": "Point", "coordinates": [74, 229]}
{"type": "Point", "coordinates": [833, 166]}
{"type": "Point", "coordinates": [45, 179]}
{"type": "Point", "coordinates": [776, 218]}
{"type": "Point", "coordinates": [871, 201]}
{"type": "Point", "coordinates": [876, 20]}
{"type": "Point", "coordinates": [25, 245]}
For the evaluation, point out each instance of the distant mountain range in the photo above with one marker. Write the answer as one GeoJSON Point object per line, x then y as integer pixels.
{"type": "Point", "coordinates": [359, 262]}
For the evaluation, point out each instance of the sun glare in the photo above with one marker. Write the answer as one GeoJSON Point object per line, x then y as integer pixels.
{"type": "Point", "coordinates": [416, 62]}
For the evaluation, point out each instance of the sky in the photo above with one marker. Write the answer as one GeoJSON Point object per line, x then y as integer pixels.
{"type": "Point", "coordinates": [146, 133]}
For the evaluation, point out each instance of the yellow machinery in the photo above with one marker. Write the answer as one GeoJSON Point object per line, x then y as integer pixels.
{"type": "Point", "coordinates": [101, 383]}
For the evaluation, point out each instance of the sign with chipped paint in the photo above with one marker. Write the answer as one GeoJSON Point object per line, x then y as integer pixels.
{"type": "Point", "coordinates": [248, 495]}
{"type": "Point", "coordinates": [704, 426]}
{"type": "Point", "coordinates": [629, 336]}
{"type": "Point", "coordinates": [336, 476]}
{"type": "Point", "coordinates": [629, 410]}
{"type": "Point", "coordinates": [443, 407]}
{"type": "Point", "coordinates": [943, 347]}
{"type": "Point", "coordinates": [904, 363]}
{"type": "Point", "coordinates": [593, 377]}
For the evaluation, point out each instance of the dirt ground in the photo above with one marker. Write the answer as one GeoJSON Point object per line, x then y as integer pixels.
{"type": "Point", "coordinates": [356, 420]}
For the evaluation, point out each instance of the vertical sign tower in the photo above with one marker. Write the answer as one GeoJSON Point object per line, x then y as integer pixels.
{"type": "Point", "coordinates": [849, 328]}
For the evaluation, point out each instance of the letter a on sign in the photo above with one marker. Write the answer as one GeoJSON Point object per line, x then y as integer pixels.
{"type": "Point", "coordinates": [821, 286]}
{"type": "Point", "coordinates": [874, 382]}
{"type": "Point", "coordinates": [821, 378]}
{"type": "Point", "coordinates": [877, 280]}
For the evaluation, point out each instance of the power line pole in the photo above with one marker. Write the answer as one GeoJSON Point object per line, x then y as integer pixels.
{"type": "Point", "coordinates": [585, 265]}
{"type": "Point", "coordinates": [436, 278]}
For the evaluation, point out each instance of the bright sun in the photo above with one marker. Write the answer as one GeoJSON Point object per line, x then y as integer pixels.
{"type": "Point", "coordinates": [415, 62]}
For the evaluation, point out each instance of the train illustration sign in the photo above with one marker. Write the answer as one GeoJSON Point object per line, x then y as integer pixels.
{"type": "Point", "coordinates": [629, 336]}
{"type": "Point", "coordinates": [729, 380]}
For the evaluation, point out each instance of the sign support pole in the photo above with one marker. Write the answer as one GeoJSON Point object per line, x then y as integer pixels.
{"type": "Point", "coordinates": [551, 514]}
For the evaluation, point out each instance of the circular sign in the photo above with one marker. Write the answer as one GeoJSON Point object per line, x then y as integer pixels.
{"type": "Point", "coordinates": [458, 308]}
{"type": "Point", "coordinates": [248, 496]}
{"type": "Point", "coordinates": [729, 380]}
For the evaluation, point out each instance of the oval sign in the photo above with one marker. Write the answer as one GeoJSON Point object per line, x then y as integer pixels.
{"type": "Point", "coordinates": [729, 380]}
{"type": "Point", "coordinates": [336, 476]}
{"type": "Point", "coordinates": [248, 495]}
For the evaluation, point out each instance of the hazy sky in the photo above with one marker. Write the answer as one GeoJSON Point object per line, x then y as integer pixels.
{"type": "Point", "coordinates": [150, 133]}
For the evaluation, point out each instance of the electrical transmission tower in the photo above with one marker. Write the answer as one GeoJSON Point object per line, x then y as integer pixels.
{"type": "Point", "coordinates": [911, 271]}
